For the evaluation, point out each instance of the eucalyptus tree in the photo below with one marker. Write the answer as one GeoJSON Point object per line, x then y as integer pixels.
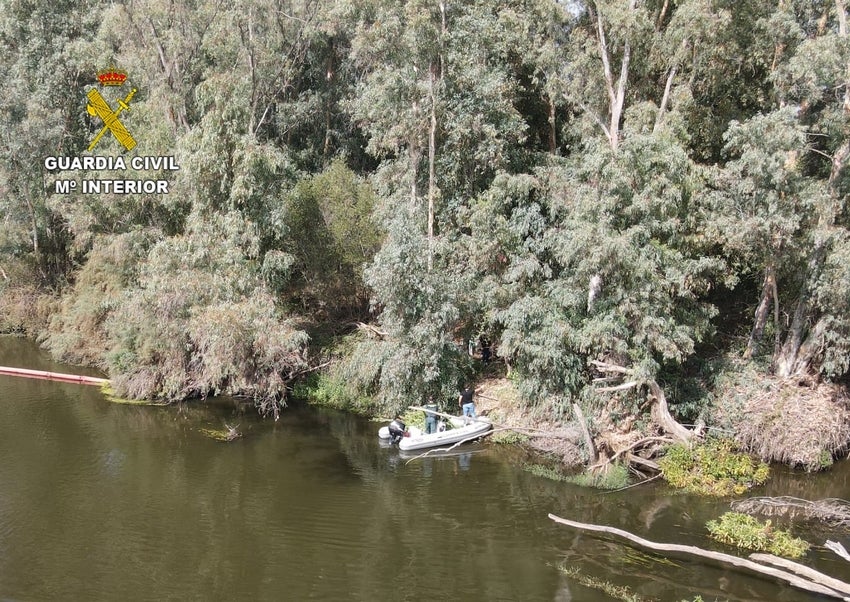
{"type": "Point", "coordinates": [438, 101]}
{"type": "Point", "coordinates": [39, 64]}
{"type": "Point", "coordinates": [788, 179]}
{"type": "Point", "coordinates": [600, 255]}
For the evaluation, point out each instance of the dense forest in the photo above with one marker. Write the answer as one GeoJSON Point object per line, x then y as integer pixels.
{"type": "Point", "coordinates": [647, 194]}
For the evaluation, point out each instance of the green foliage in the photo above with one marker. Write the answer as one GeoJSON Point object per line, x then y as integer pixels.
{"type": "Point", "coordinates": [45, 38]}
{"type": "Point", "coordinates": [332, 238]}
{"type": "Point", "coordinates": [547, 472]}
{"type": "Point", "coordinates": [77, 331]}
{"type": "Point", "coordinates": [439, 171]}
{"type": "Point", "coordinates": [713, 468]}
{"type": "Point", "coordinates": [330, 390]}
{"type": "Point", "coordinates": [614, 476]}
{"type": "Point", "coordinates": [744, 531]}
{"type": "Point", "coordinates": [200, 322]}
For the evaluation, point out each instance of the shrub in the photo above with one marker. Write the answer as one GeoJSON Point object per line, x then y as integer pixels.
{"type": "Point", "coordinates": [744, 531]}
{"type": "Point", "coordinates": [712, 469]}
{"type": "Point", "coordinates": [329, 390]}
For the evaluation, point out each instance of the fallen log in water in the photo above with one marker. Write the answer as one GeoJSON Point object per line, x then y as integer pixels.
{"type": "Point", "coordinates": [832, 511]}
{"type": "Point", "coordinates": [809, 584]}
{"type": "Point", "coordinates": [837, 548]}
{"type": "Point", "coordinates": [803, 571]}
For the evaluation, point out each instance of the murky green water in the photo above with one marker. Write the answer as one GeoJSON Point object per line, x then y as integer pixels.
{"type": "Point", "coordinates": [110, 502]}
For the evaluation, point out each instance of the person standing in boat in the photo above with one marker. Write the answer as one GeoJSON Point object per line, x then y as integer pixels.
{"type": "Point", "coordinates": [466, 402]}
{"type": "Point", "coordinates": [430, 417]}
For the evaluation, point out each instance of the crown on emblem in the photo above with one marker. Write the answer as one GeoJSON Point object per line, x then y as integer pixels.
{"type": "Point", "coordinates": [111, 77]}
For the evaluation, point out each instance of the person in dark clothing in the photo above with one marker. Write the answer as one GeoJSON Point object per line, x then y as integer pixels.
{"type": "Point", "coordinates": [484, 343]}
{"type": "Point", "coordinates": [466, 402]}
{"type": "Point", "coordinates": [430, 417]}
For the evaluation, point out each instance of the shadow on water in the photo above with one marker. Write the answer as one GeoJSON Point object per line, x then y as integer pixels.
{"type": "Point", "coordinates": [103, 501]}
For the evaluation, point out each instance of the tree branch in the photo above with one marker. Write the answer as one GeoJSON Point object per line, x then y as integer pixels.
{"type": "Point", "coordinates": [627, 385]}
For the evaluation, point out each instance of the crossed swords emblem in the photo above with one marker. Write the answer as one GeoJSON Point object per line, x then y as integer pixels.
{"type": "Point", "coordinates": [98, 106]}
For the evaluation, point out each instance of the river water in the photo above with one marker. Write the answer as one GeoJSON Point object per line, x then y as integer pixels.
{"type": "Point", "coordinates": [100, 501]}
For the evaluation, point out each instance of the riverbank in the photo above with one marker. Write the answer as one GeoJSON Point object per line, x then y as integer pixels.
{"type": "Point", "coordinates": [799, 421]}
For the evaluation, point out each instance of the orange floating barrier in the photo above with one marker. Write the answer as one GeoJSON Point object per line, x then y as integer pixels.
{"type": "Point", "coordinates": [57, 376]}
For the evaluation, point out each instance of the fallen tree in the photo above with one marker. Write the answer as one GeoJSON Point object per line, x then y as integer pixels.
{"type": "Point", "coordinates": [659, 411]}
{"type": "Point", "coordinates": [618, 441]}
{"type": "Point", "coordinates": [834, 512]}
{"type": "Point", "coordinates": [813, 581]}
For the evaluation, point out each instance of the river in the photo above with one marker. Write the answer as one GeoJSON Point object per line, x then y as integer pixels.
{"type": "Point", "coordinates": [101, 501]}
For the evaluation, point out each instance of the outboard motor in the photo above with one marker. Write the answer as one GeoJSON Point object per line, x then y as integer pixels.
{"type": "Point", "coordinates": [396, 430]}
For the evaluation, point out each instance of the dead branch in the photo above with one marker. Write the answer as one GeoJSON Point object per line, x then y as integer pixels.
{"type": "Point", "coordinates": [643, 482]}
{"type": "Point", "coordinates": [803, 571]}
{"type": "Point", "coordinates": [837, 548]}
{"type": "Point", "coordinates": [633, 459]}
{"type": "Point", "coordinates": [788, 577]}
{"type": "Point", "coordinates": [232, 432]}
{"type": "Point", "coordinates": [634, 445]}
{"type": "Point", "coordinates": [298, 373]}
{"type": "Point", "coordinates": [627, 385]}
{"type": "Point", "coordinates": [832, 511]}
{"type": "Point", "coordinates": [608, 367]}
{"type": "Point", "coordinates": [374, 330]}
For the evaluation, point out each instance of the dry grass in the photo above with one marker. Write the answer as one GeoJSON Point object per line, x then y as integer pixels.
{"type": "Point", "coordinates": [25, 310]}
{"type": "Point", "coordinates": [794, 421]}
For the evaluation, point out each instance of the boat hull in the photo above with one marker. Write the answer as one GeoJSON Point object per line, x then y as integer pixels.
{"type": "Point", "coordinates": [472, 430]}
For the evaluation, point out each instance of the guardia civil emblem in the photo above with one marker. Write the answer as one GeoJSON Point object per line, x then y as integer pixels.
{"type": "Point", "coordinates": [99, 107]}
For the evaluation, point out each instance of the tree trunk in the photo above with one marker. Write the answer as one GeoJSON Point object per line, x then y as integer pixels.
{"type": "Point", "coordinates": [616, 96]}
{"type": "Point", "coordinates": [432, 155]}
{"type": "Point", "coordinates": [553, 142]}
{"type": "Point", "coordinates": [786, 362]}
{"type": "Point", "coordinates": [665, 99]}
{"type": "Point", "coordinates": [789, 361]}
{"type": "Point", "coordinates": [762, 311]}
{"type": "Point", "coordinates": [816, 584]}
{"type": "Point", "coordinates": [661, 415]}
